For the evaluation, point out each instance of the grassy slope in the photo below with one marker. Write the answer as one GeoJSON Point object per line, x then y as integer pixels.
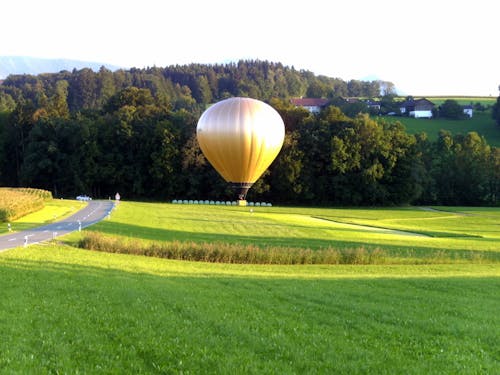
{"type": "Point", "coordinates": [69, 310]}
{"type": "Point", "coordinates": [482, 123]}
{"type": "Point", "coordinates": [464, 100]}
{"type": "Point", "coordinates": [311, 227]}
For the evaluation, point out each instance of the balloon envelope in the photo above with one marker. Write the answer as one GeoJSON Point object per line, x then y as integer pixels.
{"type": "Point", "coordinates": [240, 137]}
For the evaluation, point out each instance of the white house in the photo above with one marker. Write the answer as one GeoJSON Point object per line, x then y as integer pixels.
{"type": "Point", "coordinates": [420, 108]}
{"type": "Point", "coordinates": [313, 105]}
{"type": "Point", "coordinates": [373, 105]}
{"type": "Point", "coordinates": [468, 110]}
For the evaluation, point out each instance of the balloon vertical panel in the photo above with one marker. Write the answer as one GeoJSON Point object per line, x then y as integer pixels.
{"type": "Point", "coordinates": [240, 137]}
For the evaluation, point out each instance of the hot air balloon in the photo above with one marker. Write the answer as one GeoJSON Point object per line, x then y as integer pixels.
{"type": "Point", "coordinates": [240, 137]}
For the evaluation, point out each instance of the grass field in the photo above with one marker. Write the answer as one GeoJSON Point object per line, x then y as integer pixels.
{"type": "Point", "coordinates": [67, 310]}
{"type": "Point", "coordinates": [406, 233]}
{"type": "Point", "coordinates": [464, 100]}
{"type": "Point", "coordinates": [482, 123]}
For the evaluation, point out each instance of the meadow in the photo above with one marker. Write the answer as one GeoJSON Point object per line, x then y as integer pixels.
{"type": "Point", "coordinates": [406, 234]}
{"type": "Point", "coordinates": [68, 310]}
{"type": "Point", "coordinates": [481, 122]}
{"type": "Point", "coordinates": [464, 100]}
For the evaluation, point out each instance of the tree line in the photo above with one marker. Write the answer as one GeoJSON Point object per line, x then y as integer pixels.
{"type": "Point", "coordinates": [96, 133]}
{"type": "Point", "coordinates": [181, 86]}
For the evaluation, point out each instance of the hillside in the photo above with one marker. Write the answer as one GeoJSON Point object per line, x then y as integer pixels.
{"type": "Point", "coordinates": [31, 65]}
{"type": "Point", "coordinates": [482, 123]}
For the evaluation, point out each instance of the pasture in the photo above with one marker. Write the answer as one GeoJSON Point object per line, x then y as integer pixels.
{"type": "Point", "coordinates": [464, 100]}
{"type": "Point", "coordinates": [482, 123]}
{"type": "Point", "coordinates": [68, 310]}
{"type": "Point", "coordinates": [406, 234]}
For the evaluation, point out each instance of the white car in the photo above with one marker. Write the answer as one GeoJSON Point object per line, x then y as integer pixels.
{"type": "Point", "coordinates": [83, 198]}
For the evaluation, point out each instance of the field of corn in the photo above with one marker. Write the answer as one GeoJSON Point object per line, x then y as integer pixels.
{"type": "Point", "coordinates": [18, 202]}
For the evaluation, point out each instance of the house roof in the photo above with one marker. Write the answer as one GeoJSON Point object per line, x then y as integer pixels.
{"type": "Point", "coordinates": [351, 100]}
{"type": "Point", "coordinates": [411, 103]}
{"type": "Point", "coordinates": [309, 102]}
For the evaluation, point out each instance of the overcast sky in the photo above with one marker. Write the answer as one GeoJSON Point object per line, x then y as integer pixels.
{"type": "Point", "coordinates": [426, 47]}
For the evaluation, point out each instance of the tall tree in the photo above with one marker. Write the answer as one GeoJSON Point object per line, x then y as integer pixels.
{"type": "Point", "coordinates": [495, 113]}
{"type": "Point", "coordinates": [451, 109]}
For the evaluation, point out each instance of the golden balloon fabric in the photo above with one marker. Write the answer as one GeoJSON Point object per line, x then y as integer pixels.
{"type": "Point", "coordinates": [240, 137]}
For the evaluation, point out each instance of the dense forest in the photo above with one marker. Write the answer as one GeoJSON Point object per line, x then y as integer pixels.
{"type": "Point", "coordinates": [133, 131]}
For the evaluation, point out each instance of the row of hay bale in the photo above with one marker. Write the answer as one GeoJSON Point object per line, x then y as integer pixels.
{"type": "Point", "coordinates": [219, 203]}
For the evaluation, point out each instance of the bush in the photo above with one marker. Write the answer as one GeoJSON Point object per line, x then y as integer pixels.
{"type": "Point", "coordinates": [218, 252]}
{"type": "Point", "coordinates": [452, 110]}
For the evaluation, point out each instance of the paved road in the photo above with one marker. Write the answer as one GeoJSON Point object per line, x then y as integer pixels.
{"type": "Point", "coordinates": [95, 211]}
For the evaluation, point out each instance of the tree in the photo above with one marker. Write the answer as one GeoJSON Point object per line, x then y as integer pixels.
{"type": "Point", "coordinates": [495, 112]}
{"type": "Point", "coordinates": [317, 89]}
{"type": "Point", "coordinates": [83, 90]}
{"type": "Point", "coordinates": [493, 197]}
{"type": "Point", "coordinates": [387, 88]}
{"type": "Point", "coordinates": [355, 88]}
{"type": "Point", "coordinates": [204, 95]}
{"type": "Point", "coordinates": [7, 103]}
{"type": "Point", "coordinates": [389, 105]}
{"type": "Point", "coordinates": [472, 169]}
{"type": "Point", "coordinates": [451, 109]}
{"type": "Point", "coordinates": [285, 182]}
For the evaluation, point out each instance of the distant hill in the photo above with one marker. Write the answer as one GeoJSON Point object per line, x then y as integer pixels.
{"type": "Point", "coordinates": [33, 65]}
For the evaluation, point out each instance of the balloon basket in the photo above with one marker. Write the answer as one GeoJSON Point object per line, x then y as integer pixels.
{"type": "Point", "coordinates": [242, 203]}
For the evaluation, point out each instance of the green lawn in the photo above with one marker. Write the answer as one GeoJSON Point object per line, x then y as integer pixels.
{"type": "Point", "coordinates": [67, 310]}
{"type": "Point", "coordinates": [423, 231]}
{"type": "Point", "coordinates": [482, 123]}
{"type": "Point", "coordinates": [73, 311]}
{"type": "Point", "coordinates": [464, 100]}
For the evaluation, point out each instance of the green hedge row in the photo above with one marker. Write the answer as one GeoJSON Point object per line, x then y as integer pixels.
{"type": "Point", "coordinates": [218, 252]}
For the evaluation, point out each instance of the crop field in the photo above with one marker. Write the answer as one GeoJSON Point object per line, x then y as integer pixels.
{"type": "Point", "coordinates": [482, 123]}
{"type": "Point", "coordinates": [17, 202]}
{"type": "Point", "coordinates": [54, 209]}
{"type": "Point", "coordinates": [69, 310]}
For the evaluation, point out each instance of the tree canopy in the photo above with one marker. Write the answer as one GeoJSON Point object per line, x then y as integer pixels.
{"type": "Point", "coordinates": [96, 133]}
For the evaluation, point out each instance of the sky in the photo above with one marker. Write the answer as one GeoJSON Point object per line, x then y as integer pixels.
{"type": "Point", "coordinates": [425, 47]}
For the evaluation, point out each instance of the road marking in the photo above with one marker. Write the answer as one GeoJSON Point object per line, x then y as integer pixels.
{"type": "Point", "coordinates": [12, 239]}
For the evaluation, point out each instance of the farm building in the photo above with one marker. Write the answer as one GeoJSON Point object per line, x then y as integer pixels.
{"type": "Point", "coordinates": [420, 108]}
{"type": "Point", "coordinates": [468, 110]}
{"type": "Point", "coordinates": [313, 105]}
{"type": "Point", "coordinates": [373, 105]}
